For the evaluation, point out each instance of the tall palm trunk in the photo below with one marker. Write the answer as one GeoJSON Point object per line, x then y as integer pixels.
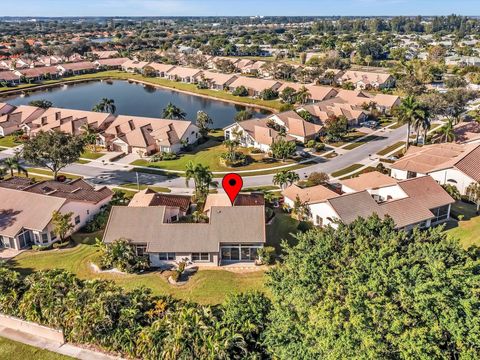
{"type": "Point", "coordinates": [407, 143]}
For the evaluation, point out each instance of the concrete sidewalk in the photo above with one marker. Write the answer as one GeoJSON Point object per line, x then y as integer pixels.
{"type": "Point", "coordinates": [64, 349]}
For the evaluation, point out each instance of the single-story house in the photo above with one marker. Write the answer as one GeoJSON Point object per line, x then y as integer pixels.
{"type": "Point", "coordinates": [76, 68]}
{"type": "Point", "coordinates": [296, 126]}
{"type": "Point", "coordinates": [6, 108]}
{"type": "Point", "coordinates": [110, 63]}
{"type": "Point", "coordinates": [324, 110]}
{"type": "Point", "coordinates": [256, 133]}
{"type": "Point", "coordinates": [254, 86]}
{"type": "Point", "coordinates": [134, 66]}
{"type": "Point", "coordinates": [383, 102]}
{"type": "Point", "coordinates": [454, 164]}
{"type": "Point", "coordinates": [26, 209]}
{"type": "Point", "coordinates": [161, 70]}
{"type": "Point", "coordinates": [10, 78]}
{"type": "Point", "coordinates": [217, 81]}
{"type": "Point", "coordinates": [38, 74]}
{"type": "Point", "coordinates": [414, 202]}
{"type": "Point", "coordinates": [134, 134]}
{"type": "Point", "coordinates": [367, 79]}
{"type": "Point", "coordinates": [178, 205]}
{"type": "Point", "coordinates": [232, 234]}
{"type": "Point", "coordinates": [317, 93]}
{"type": "Point", "coordinates": [105, 54]}
{"type": "Point", "coordinates": [184, 74]}
{"type": "Point", "coordinates": [16, 118]}
{"type": "Point", "coordinates": [257, 68]}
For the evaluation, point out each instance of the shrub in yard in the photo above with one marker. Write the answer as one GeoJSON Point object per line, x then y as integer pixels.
{"type": "Point", "coordinates": [122, 255]}
{"type": "Point", "coordinates": [319, 146]}
{"type": "Point", "coordinates": [163, 156]}
{"type": "Point", "coordinates": [267, 255]}
{"type": "Point", "coordinates": [60, 245]}
{"type": "Point", "coordinates": [41, 247]}
{"type": "Point", "coordinates": [98, 222]}
{"type": "Point", "coordinates": [176, 275]}
{"type": "Point", "coordinates": [240, 91]}
{"type": "Point", "coordinates": [304, 226]}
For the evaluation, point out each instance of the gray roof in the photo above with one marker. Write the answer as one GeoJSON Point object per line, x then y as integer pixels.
{"type": "Point", "coordinates": [145, 225]}
{"type": "Point", "coordinates": [351, 206]}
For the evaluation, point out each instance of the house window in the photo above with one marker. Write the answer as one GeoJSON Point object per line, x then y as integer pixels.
{"type": "Point", "coordinates": [44, 238]}
{"type": "Point", "coordinates": [166, 256]}
{"type": "Point", "coordinates": [411, 174]}
{"type": "Point", "coordinates": [53, 236]}
{"type": "Point", "coordinates": [141, 250]}
{"type": "Point", "coordinates": [319, 221]}
{"type": "Point", "coordinates": [174, 218]}
{"type": "Point", "coordinates": [200, 257]}
{"type": "Point", "coordinates": [77, 220]}
{"type": "Point", "coordinates": [237, 252]}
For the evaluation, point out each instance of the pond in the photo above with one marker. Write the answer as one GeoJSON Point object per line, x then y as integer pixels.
{"type": "Point", "coordinates": [134, 99]}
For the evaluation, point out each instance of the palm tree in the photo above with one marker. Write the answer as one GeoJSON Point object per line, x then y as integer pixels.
{"type": "Point", "coordinates": [231, 145]}
{"type": "Point", "coordinates": [173, 112]}
{"type": "Point", "coordinates": [13, 163]}
{"type": "Point", "coordinates": [422, 123]}
{"type": "Point", "coordinates": [303, 95]}
{"type": "Point", "coordinates": [473, 194]}
{"type": "Point", "coordinates": [285, 177]}
{"type": "Point", "coordinates": [447, 132]}
{"type": "Point", "coordinates": [203, 178]}
{"type": "Point", "coordinates": [105, 105]}
{"type": "Point", "coordinates": [90, 135]}
{"type": "Point", "coordinates": [408, 113]}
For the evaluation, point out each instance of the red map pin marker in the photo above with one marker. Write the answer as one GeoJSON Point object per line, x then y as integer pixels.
{"type": "Point", "coordinates": [232, 184]}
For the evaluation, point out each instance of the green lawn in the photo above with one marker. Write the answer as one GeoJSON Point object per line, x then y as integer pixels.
{"type": "Point", "coordinates": [467, 230]}
{"type": "Point", "coordinates": [391, 148]}
{"type": "Point", "coordinates": [134, 187]}
{"type": "Point", "coordinates": [281, 228]}
{"type": "Point", "coordinates": [11, 350]}
{"type": "Point", "coordinates": [367, 169]}
{"type": "Point", "coordinates": [209, 154]}
{"type": "Point", "coordinates": [8, 141]}
{"type": "Point", "coordinates": [91, 155]}
{"type": "Point", "coordinates": [352, 136]}
{"type": "Point", "coordinates": [365, 140]}
{"type": "Point", "coordinates": [205, 287]}
{"type": "Point", "coordinates": [346, 170]}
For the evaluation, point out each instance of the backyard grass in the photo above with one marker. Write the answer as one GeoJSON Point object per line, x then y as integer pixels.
{"type": "Point", "coordinates": [467, 230]}
{"type": "Point", "coordinates": [205, 287]}
{"type": "Point", "coordinates": [8, 141]}
{"type": "Point", "coordinates": [391, 148]}
{"type": "Point", "coordinates": [83, 162]}
{"type": "Point", "coordinates": [10, 349]}
{"type": "Point", "coordinates": [281, 228]}
{"type": "Point", "coordinates": [346, 170]}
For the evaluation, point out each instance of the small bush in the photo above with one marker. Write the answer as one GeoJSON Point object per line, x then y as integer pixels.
{"type": "Point", "coordinates": [59, 245]}
{"type": "Point", "coordinates": [319, 146]}
{"type": "Point", "coordinates": [176, 275]}
{"type": "Point", "coordinates": [41, 247]}
{"type": "Point", "coordinates": [256, 151]}
{"type": "Point", "coordinates": [267, 255]}
{"type": "Point", "coordinates": [163, 156]}
{"type": "Point", "coordinates": [122, 254]}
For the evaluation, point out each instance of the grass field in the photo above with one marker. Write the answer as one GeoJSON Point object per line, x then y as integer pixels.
{"type": "Point", "coordinates": [281, 228]}
{"type": "Point", "coordinates": [205, 287]}
{"type": "Point", "coordinates": [391, 148]}
{"type": "Point", "coordinates": [346, 170]}
{"type": "Point", "coordinates": [10, 350]}
{"type": "Point", "coordinates": [8, 141]}
{"type": "Point", "coordinates": [467, 230]}
{"type": "Point", "coordinates": [91, 155]}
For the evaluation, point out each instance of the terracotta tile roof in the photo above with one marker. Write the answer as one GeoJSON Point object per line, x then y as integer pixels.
{"type": "Point", "coordinates": [219, 79]}
{"type": "Point", "coordinates": [8, 76]}
{"type": "Point", "coordinates": [105, 54]}
{"type": "Point", "coordinates": [366, 77]}
{"type": "Point", "coordinates": [183, 72]}
{"type": "Point", "coordinates": [151, 198]}
{"type": "Point", "coordinates": [161, 67]}
{"type": "Point", "coordinates": [296, 125]}
{"type": "Point", "coordinates": [112, 62]}
{"type": "Point", "coordinates": [222, 199]}
{"type": "Point", "coordinates": [16, 183]}
{"type": "Point", "coordinates": [39, 71]}
{"type": "Point", "coordinates": [84, 65]}
{"type": "Point", "coordinates": [317, 92]}
{"type": "Point", "coordinates": [77, 190]}
{"type": "Point", "coordinates": [260, 131]}
{"type": "Point", "coordinates": [370, 180]}
{"type": "Point", "coordinates": [311, 195]}
{"type": "Point", "coordinates": [255, 84]}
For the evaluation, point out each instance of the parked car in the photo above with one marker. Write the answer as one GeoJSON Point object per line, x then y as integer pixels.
{"type": "Point", "coordinates": [302, 154]}
{"type": "Point", "coordinates": [372, 124]}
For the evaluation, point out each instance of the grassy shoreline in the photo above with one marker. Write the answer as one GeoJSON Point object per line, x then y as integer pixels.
{"type": "Point", "coordinates": [270, 105]}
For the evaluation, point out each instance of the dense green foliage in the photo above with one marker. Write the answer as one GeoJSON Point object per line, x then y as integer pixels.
{"type": "Point", "coordinates": [367, 291]}
{"type": "Point", "coordinates": [122, 255]}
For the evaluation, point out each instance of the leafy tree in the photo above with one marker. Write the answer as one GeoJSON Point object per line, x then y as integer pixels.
{"type": "Point", "coordinates": [53, 150]}
{"type": "Point", "coordinates": [447, 131]}
{"type": "Point", "coordinates": [282, 149]}
{"type": "Point", "coordinates": [105, 105]}
{"type": "Point", "coordinates": [473, 194]}
{"type": "Point", "coordinates": [203, 122]}
{"type": "Point", "coordinates": [455, 82]}
{"type": "Point", "coordinates": [121, 254]}
{"type": "Point", "coordinates": [305, 115]}
{"type": "Point", "coordinates": [336, 127]}
{"type": "Point", "coordinates": [301, 209]}
{"type": "Point", "coordinates": [62, 224]}
{"type": "Point", "coordinates": [288, 95]}
{"type": "Point", "coordinates": [285, 177]}
{"type": "Point", "coordinates": [243, 115]}
{"type": "Point", "coordinates": [317, 178]}
{"type": "Point", "coordinates": [44, 104]}
{"type": "Point", "coordinates": [303, 95]}
{"type": "Point", "coordinates": [240, 91]}
{"type": "Point", "coordinates": [457, 100]}
{"type": "Point", "coordinates": [370, 291]}
{"type": "Point", "coordinates": [269, 94]}
{"type": "Point", "coordinates": [203, 178]}
{"type": "Point", "coordinates": [173, 112]}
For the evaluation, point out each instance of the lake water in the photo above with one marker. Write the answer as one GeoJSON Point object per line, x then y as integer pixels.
{"type": "Point", "coordinates": [134, 99]}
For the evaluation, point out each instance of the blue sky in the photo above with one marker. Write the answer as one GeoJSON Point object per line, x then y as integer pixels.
{"type": "Point", "coordinates": [236, 7]}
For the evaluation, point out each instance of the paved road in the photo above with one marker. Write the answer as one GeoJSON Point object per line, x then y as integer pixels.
{"type": "Point", "coordinates": [116, 174]}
